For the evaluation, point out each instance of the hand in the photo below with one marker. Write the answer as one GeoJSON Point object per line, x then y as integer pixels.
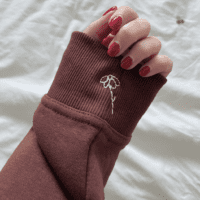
{"type": "Point", "coordinates": [132, 37]}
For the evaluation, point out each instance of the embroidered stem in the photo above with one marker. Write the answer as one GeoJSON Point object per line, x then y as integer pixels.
{"type": "Point", "coordinates": [113, 99]}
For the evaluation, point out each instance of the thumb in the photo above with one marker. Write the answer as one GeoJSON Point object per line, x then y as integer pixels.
{"type": "Point", "coordinates": [100, 29]}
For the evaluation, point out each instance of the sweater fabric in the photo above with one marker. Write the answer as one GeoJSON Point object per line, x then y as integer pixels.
{"type": "Point", "coordinates": [80, 126]}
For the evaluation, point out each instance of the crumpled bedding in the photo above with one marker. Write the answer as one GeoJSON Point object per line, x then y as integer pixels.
{"type": "Point", "coordinates": [162, 160]}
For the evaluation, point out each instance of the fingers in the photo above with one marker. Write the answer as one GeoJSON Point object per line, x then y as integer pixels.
{"type": "Point", "coordinates": [132, 42]}
{"type": "Point", "coordinates": [125, 14]}
{"type": "Point", "coordinates": [100, 29]}
{"type": "Point", "coordinates": [140, 51]}
{"type": "Point", "coordinates": [129, 34]}
{"type": "Point", "coordinates": [159, 64]}
{"type": "Point", "coordinates": [146, 52]}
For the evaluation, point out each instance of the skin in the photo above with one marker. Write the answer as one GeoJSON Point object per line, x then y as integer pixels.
{"type": "Point", "coordinates": [131, 31]}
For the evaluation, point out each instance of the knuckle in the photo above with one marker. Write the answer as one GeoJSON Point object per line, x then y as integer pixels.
{"type": "Point", "coordinates": [144, 23]}
{"type": "Point", "coordinates": [129, 10]}
{"type": "Point", "coordinates": [147, 22]}
{"type": "Point", "coordinates": [142, 45]}
{"type": "Point", "coordinates": [166, 62]}
{"type": "Point", "coordinates": [148, 45]}
{"type": "Point", "coordinates": [126, 7]}
{"type": "Point", "coordinates": [157, 41]}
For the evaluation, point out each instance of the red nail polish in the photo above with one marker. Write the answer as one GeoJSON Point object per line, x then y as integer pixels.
{"type": "Point", "coordinates": [106, 41]}
{"type": "Point", "coordinates": [113, 50]}
{"type": "Point", "coordinates": [111, 9]}
{"type": "Point", "coordinates": [114, 32]}
{"type": "Point", "coordinates": [126, 63]}
{"type": "Point", "coordinates": [144, 71]}
{"type": "Point", "coordinates": [116, 23]}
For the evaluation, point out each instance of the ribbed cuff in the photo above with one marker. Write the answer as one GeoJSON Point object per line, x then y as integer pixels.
{"type": "Point", "coordinates": [90, 80]}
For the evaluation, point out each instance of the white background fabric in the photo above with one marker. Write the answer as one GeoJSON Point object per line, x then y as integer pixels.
{"type": "Point", "coordinates": [162, 160]}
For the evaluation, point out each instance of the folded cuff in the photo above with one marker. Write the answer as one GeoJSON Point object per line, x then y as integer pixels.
{"type": "Point", "coordinates": [90, 80]}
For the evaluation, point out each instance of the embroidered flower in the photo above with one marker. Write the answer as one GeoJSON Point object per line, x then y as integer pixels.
{"type": "Point", "coordinates": [112, 82]}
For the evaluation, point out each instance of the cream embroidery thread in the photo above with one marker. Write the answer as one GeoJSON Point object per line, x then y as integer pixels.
{"type": "Point", "coordinates": [106, 80]}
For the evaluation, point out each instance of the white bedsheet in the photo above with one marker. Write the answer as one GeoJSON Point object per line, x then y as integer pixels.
{"type": "Point", "coordinates": [162, 161]}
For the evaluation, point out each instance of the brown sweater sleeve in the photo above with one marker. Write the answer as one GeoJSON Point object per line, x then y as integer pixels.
{"type": "Point", "coordinates": [80, 126]}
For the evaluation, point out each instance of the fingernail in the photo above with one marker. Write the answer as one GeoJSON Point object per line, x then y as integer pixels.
{"type": "Point", "coordinates": [144, 71]}
{"type": "Point", "coordinates": [115, 23]}
{"type": "Point", "coordinates": [111, 9]}
{"type": "Point", "coordinates": [114, 32]}
{"type": "Point", "coordinates": [126, 63]}
{"type": "Point", "coordinates": [114, 49]}
{"type": "Point", "coordinates": [106, 41]}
